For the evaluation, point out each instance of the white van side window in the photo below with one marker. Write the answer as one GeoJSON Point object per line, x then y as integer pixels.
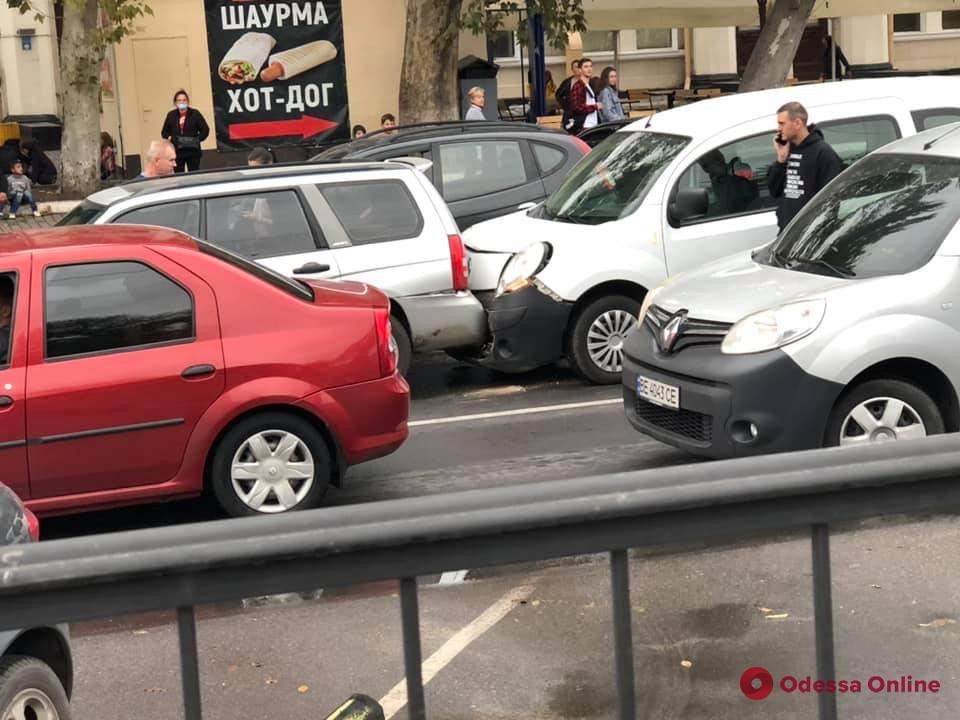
{"type": "Point", "coordinates": [735, 175]}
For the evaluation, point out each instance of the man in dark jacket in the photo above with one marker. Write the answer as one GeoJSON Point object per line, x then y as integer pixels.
{"type": "Point", "coordinates": [563, 92]}
{"type": "Point", "coordinates": [805, 163]}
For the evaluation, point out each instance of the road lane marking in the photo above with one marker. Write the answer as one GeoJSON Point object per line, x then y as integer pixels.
{"type": "Point", "coordinates": [514, 413]}
{"type": "Point", "coordinates": [396, 699]}
{"type": "Point", "coordinates": [454, 577]}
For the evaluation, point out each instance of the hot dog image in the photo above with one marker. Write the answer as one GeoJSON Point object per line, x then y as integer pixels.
{"type": "Point", "coordinates": [245, 57]}
{"type": "Point", "coordinates": [289, 63]}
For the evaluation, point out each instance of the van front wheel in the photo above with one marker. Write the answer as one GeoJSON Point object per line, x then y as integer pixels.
{"type": "Point", "coordinates": [883, 411]}
{"type": "Point", "coordinates": [597, 337]}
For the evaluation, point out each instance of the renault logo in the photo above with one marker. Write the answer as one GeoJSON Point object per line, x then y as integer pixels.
{"type": "Point", "coordinates": [671, 330]}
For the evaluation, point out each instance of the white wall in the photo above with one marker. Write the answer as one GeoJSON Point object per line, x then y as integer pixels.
{"type": "Point", "coordinates": [28, 78]}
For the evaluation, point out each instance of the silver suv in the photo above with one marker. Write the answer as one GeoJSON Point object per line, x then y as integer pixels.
{"type": "Point", "coordinates": [843, 331]}
{"type": "Point", "coordinates": [380, 222]}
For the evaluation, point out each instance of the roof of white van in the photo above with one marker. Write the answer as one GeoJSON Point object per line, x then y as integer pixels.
{"type": "Point", "coordinates": [700, 118]}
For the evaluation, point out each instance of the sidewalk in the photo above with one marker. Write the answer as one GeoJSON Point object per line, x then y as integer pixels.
{"type": "Point", "coordinates": [28, 222]}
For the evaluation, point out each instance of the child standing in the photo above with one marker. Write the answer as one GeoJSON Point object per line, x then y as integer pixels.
{"type": "Point", "coordinates": [19, 191]}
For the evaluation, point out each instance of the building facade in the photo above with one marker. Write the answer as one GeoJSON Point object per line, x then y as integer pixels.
{"type": "Point", "coordinates": [170, 51]}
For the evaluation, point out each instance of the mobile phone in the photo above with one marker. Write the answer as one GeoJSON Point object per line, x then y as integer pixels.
{"type": "Point", "coordinates": [780, 140]}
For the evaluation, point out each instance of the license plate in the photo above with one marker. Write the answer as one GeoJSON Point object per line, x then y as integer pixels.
{"type": "Point", "coordinates": [658, 393]}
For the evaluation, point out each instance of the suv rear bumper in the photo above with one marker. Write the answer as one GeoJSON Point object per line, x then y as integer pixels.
{"type": "Point", "coordinates": [445, 320]}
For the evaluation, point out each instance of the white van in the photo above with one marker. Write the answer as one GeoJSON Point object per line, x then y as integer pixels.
{"type": "Point", "coordinates": [567, 277]}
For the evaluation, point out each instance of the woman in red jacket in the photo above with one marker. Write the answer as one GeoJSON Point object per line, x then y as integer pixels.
{"type": "Point", "coordinates": [186, 128]}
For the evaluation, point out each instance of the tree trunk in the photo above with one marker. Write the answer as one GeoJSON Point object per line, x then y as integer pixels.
{"type": "Point", "coordinates": [80, 80]}
{"type": "Point", "coordinates": [428, 79]}
{"type": "Point", "coordinates": [777, 45]}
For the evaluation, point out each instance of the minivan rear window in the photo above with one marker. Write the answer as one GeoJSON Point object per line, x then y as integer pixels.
{"type": "Point", "coordinates": [886, 215]}
{"type": "Point", "coordinates": [83, 214]}
{"type": "Point", "coordinates": [611, 181]}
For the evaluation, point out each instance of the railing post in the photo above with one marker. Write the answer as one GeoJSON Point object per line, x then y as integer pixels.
{"type": "Point", "coordinates": [823, 619]}
{"type": "Point", "coordinates": [623, 634]}
{"type": "Point", "coordinates": [412, 656]}
{"type": "Point", "coordinates": [189, 663]}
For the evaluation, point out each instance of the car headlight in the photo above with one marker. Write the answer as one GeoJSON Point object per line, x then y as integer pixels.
{"type": "Point", "coordinates": [774, 328]}
{"type": "Point", "coordinates": [520, 270]}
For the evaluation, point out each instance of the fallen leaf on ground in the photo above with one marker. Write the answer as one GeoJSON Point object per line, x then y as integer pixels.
{"type": "Point", "coordinates": [938, 623]}
{"type": "Point", "coordinates": [766, 610]}
{"type": "Point", "coordinates": [233, 668]}
{"type": "Point", "coordinates": [778, 616]}
{"type": "Point", "coordinates": [686, 663]}
{"type": "Point", "coordinates": [875, 587]}
{"type": "Point", "coordinates": [270, 681]}
{"type": "Point", "coordinates": [536, 603]}
{"type": "Point", "coordinates": [303, 689]}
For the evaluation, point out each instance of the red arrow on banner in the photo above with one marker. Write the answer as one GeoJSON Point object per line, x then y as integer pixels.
{"type": "Point", "coordinates": [306, 126]}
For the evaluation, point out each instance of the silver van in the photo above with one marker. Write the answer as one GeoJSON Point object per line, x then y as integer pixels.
{"type": "Point", "coordinates": [843, 331]}
{"type": "Point", "coordinates": [383, 223]}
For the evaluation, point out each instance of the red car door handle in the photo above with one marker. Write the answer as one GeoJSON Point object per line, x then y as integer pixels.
{"type": "Point", "coordinates": [198, 371]}
{"type": "Point", "coordinates": [5, 401]}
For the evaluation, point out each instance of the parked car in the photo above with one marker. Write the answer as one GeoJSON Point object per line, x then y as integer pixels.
{"type": "Point", "coordinates": [841, 332]}
{"type": "Point", "coordinates": [566, 279]}
{"type": "Point", "coordinates": [36, 664]}
{"type": "Point", "coordinates": [483, 169]}
{"type": "Point", "coordinates": [598, 133]}
{"type": "Point", "coordinates": [380, 223]}
{"type": "Point", "coordinates": [146, 365]}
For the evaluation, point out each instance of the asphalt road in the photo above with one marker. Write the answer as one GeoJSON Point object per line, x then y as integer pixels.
{"type": "Point", "coordinates": [457, 451]}
{"type": "Point", "coordinates": [535, 641]}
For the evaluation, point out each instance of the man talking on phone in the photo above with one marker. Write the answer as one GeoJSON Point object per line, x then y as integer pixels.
{"type": "Point", "coordinates": [805, 163]}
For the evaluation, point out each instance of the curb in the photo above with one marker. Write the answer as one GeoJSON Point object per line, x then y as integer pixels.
{"type": "Point", "coordinates": [57, 207]}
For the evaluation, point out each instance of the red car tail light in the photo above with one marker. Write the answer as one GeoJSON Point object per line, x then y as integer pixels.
{"type": "Point", "coordinates": [386, 345]}
{"type": "Point", "coordinates": [458, 263]}
{"type": "Point", "coordinates": [582, 145]}
{"type": "Point", "coordinates": [33, 525]}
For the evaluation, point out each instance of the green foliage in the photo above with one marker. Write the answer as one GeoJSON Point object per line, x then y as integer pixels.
{"type": "Point", "coordinates": [121, 17]}
{"type": "Point", "coordinates": [559, 17]}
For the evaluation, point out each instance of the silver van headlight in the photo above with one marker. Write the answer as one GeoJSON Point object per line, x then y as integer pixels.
{"type": "Point", "coordinates": [774, 328]}
{"type": "Point", "coordinates": [520, 269]}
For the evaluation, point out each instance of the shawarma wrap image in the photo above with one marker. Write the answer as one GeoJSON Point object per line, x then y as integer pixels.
{"type": "Point", "coordinates": [284, 65]}
{"type": "Point", "coordinates": [245, 57]}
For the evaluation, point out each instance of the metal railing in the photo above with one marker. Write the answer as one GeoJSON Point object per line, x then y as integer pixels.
{"type": "Point", "coordinates": [181, 567]}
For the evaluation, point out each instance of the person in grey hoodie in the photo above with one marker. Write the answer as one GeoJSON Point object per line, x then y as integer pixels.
{"type": "Point", "coordinates": [19, 191]}
{"type": "Point", "coordinates": [610, 96]}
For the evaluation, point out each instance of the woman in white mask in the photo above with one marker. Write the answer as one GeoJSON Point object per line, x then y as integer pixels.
{"type": "Point", "coordinates": [186, 128]}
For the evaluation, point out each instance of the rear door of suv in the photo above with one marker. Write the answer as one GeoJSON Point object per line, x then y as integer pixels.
{"type": "Point", "coordinates": [484, 178]}
{"type": "Point", "coordinates": [383, 230]}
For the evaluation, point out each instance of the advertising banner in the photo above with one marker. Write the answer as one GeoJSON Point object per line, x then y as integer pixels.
{"type": "Point", "coordinates": [278, 72]}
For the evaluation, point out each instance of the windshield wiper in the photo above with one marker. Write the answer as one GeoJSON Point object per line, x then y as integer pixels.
{"type": "Point", "coordinates": [820, 262]}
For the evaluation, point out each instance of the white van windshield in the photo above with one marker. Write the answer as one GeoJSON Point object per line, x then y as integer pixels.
{"type": "Point", "coordinates": [886, 215]}
{"type": "Point", "coordinates": [611, 181]}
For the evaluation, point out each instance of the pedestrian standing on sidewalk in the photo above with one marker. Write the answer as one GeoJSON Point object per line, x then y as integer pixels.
{"type": "Point", "coordinates": [610, 96]}
{"type": "Point", "coordinates": [805, 163]}
{"type": "Point", "coordinates": [20, 190]}
{"type": "Point", "coordinates": [584, 106]}
{"type": "Point", "coordinates": [186, 128]}
{"type": "Point", "coordinates": [160, 161]}
{"type": "Point", "coordinates": [478, 98]}
{"type": "Point", "coordinates": [563, 92]}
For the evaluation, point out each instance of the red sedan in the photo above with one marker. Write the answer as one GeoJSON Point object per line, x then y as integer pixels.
{"type": "Point", "coordinates": [138, 364]}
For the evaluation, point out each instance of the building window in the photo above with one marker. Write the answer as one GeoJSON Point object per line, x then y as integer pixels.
{"type": "Point", "coordinates": [501, 44]}
{"type": "Point", "coordinates": [595, 41]}
{"type": "Point", "coordinates": [655, 39]}
{"type": "Point", "coordinates": [951, 19]}
{"type": "Point", "coordinates": [909, 22]}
